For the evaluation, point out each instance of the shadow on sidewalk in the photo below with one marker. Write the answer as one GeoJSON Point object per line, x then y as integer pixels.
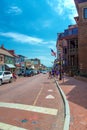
{"type": "Point", "coordinates": [76, 91]}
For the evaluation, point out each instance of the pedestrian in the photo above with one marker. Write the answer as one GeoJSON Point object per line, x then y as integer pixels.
{"type": "Point", "coordinates": [57, 73]}
{"type": "Point", "coordinates": [53, 74]}
{"type": "Point", "coordinates": [14, 76]}
{"type": "Point", "coordinates": [50, 76]}
{"type": "Point", "coordinates": [63, 75]}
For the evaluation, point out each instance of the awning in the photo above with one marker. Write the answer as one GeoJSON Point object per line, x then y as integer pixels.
{"type": "Point", "coordinates": [10, 65]}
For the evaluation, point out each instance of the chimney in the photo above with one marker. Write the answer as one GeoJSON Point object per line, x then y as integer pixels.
{"type": "Point", "coordinates": [2, 46]}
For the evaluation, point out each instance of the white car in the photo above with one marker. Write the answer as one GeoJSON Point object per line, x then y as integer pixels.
{"type": "Point", "coordinates": [5, 76]}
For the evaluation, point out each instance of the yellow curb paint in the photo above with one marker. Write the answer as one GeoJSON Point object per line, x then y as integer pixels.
{"type": "Point", "coordinates": [4, 126]}
{"type": "Point", "coordinates": [42, 110]}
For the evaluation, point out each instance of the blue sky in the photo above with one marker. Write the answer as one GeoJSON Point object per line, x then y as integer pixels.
{"type": "Point", "coordinates": [30, 27]}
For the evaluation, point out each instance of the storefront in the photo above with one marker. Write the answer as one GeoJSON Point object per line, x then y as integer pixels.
{"type": "Point", "coordinates": [10, 67]}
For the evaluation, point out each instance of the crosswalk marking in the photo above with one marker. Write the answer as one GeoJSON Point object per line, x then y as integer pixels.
{"type": "Point", "coordinates": [42, 110]}
{"type": "Point", "coordinates": [4, 126]}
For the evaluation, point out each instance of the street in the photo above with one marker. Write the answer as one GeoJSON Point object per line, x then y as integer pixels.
{"type": "Point", "coordinates": [31, 103]}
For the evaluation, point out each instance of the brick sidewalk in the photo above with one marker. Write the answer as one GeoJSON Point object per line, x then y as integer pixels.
{"type": "Point", "coordinates": [76, 94]}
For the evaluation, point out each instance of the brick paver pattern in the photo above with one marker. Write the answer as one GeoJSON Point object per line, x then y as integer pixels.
{"type": "Point", "coordinates": [76, 93]}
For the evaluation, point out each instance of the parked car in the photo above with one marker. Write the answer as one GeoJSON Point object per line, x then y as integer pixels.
{"type": "Point", "coordinates": [44, 71]}
{"type": "Point", "coordinates": [28, 73]}
{"type": "Point", "coordinates": [35, 72]}
{"type": "Point", "coordinates": [5, 76]}
{"type": "Point", "coordinates": [20, 73]}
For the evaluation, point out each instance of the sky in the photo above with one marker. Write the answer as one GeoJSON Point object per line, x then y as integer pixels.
{"type": "Point", "coordinates": [30, 27]}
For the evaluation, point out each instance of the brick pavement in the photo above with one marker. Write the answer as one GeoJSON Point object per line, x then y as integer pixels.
{"type": "Point", "coordinates": [76, 94]}
{"type": "Point", "coordinates": [46, 96]}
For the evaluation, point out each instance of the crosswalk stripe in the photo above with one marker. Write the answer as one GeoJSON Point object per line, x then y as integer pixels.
{"type": "Point", "coordinates": [43, 110]}
{"type": "Point", "coordinates": [4, 126]}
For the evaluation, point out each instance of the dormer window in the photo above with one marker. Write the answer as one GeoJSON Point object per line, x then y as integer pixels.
{"type": "Point", "coordinates": [85, 13]}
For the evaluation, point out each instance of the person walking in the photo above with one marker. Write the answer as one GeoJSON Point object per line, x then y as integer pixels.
{"type": "Point", "coordinates": [14, 76]}
{"type": "Point", "coordinates": [50, 74]}
{"type": "Point", "coordinates": [57, 73]}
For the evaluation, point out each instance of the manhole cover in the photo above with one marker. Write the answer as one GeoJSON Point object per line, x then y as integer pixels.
{"type": "Point", "coordinates": [34, 122]}
{"type": "Point", "coordinates": [24, 120]}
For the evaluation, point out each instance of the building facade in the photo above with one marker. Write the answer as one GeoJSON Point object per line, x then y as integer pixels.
{"type": "Point", "coordinates": [7, 60]}
{"type": "Point", "coordinates": [81, 20]}
{"type": "Point", "coordinates": [36, 63]}
{"type": "Point", "coordinates": [67, 47]}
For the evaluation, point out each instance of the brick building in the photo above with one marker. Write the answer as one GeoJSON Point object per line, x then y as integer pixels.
{"type": "Point", "coordinates": [36, 63]}
{"type": "Point", "coordinates": [67, 46]}
{"type": "Point", "coordinates": [81, 20]}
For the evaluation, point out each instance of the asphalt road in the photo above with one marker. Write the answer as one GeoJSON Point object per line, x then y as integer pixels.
{"type": "Point", "coordinates": [31, 103]}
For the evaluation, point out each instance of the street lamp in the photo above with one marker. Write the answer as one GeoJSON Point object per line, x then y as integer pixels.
{"type": "Point", "coordinates": [60, 69]}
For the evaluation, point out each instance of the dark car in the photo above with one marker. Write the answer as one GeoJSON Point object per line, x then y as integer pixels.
{"type": "Point", "coordinates": [20, 74]}
{"type": "Point", "coordinates": [28, 73]}
{"type": "Point", "coordinates": [35, 72]}
{"type": "Point", "coordinates": [44, 71]}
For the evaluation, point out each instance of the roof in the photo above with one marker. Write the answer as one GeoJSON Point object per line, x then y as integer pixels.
{"type": "Point", "coordinates": [4, 52]}
{"type": "Point", "coordinates": [12, 52]}
{"type": "Point", "coordinates": [21, 56]}
{"type": "Point", "coordinates": [71, 32]}
{"type": "Point", "coordinates": [80, 1]}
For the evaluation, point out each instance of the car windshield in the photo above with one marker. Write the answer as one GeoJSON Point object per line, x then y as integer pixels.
{"type": "Point", "coordinates": [0, 73]}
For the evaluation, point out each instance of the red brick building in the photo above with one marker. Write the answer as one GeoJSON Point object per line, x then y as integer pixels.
{"type": "Point", "coordinates": [81, 20]}
{"type": "Point", "coordinates": [67, 46]}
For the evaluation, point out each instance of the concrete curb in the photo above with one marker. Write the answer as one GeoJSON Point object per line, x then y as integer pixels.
{"type": "Point", "coordinates": [66, 108]}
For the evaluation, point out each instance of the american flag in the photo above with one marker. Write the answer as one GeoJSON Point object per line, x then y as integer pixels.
{"type": "Point", "coordinates": [53, 53]}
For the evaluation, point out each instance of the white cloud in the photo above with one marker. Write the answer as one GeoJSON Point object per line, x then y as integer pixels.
{"type": "Point", "coordinates": [26, 39]}
{"type": "Point", "coordinates": [63, 6]}
{"type": "Point", "coordinates": [14, 10]}
{"type": "Point", "coordinates": [22, 38]}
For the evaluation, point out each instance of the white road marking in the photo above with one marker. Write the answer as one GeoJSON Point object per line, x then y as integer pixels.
{"type": "Point", "coordinates": [50, 97]}
{"type": "Point", "coordinates": [50, 90]}
{"type": "Point", "coordinates": [42, 110]}
{"type": "Point", "coordinates": [4, 126]}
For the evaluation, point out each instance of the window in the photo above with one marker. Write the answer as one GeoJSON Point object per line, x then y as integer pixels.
{"type": "Point", "coordinates": [75, 30]}
{"type": "Point", "coordinates": [6, 73]}
{"type": "Point", "coordinates": [85, 13]}
{"type": "Point", "coordinates": [70, 31]}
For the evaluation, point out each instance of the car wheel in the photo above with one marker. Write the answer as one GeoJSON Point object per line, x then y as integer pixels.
{"type": "Point", "coordinates": [10, 80]}
{"type": "Point", "coordinates": [0, 82]}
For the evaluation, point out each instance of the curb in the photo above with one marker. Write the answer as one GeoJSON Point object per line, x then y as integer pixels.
{"type": "Point", "coordinates": [66, 108]}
